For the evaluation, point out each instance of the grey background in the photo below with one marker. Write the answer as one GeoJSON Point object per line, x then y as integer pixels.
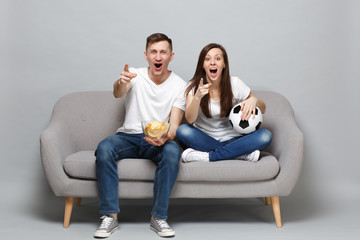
{"type": "Point", "coordinates": [306, 50]}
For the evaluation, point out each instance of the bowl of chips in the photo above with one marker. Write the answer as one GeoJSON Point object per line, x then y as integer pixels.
{"type": "Point", "coordinates": [155, 129]}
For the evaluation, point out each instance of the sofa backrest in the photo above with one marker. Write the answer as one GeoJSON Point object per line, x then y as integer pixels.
{"type": "Point", "coordinates": [278, 108]}
{"type": "Point", "coordinates": [92, 116]}
{"type": "Point", "coordinates": [89, 116]}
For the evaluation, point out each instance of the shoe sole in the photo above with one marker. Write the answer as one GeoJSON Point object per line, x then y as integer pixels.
{"type": "Point", "coordinates": [104, 235]}
{"type": "Point", "coordinates": [167, 234]}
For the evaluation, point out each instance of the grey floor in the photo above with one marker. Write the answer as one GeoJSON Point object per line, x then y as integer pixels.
{"type": "Point", "coordinates": [32, 211]}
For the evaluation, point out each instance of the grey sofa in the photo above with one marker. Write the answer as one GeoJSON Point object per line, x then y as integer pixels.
{"type": "Point", "coordinates": [81, 120]}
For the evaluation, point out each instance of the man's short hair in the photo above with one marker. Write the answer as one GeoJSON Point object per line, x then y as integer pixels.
{"type": "Point", "coordinates": [157, 37]}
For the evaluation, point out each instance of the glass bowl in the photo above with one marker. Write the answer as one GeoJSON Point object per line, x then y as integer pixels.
{"type": "Point", "coordinates": [154, 129]}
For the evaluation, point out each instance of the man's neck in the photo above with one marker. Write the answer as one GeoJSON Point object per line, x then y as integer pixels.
{"type": "Point", "coordinates": [159, 79]}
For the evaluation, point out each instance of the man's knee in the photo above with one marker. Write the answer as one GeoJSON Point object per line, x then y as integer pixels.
{"type": "Point", "coordinates": [104, 151]}
{"type": "Point", "coordinates": [102, 147]}
{"type": "Point", "coordinates": [172, 153]}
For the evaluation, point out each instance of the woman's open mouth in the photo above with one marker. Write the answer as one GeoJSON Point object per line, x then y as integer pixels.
{"type": "Point", "coordinates": [213, 73]}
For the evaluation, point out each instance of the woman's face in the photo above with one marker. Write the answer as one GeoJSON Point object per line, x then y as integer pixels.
{"type": "Point", "coordinates": [214, 64]}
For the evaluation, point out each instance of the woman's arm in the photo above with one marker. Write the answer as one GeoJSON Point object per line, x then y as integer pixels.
{"type": "Point", "coordinates": [193, 102]}
{"type": "Point", "coordinates": [248, 106]}
{"type": "Point", "coordinates": [192, 108]}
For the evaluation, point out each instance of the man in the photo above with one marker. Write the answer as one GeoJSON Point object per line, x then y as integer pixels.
{"type": "Point", "coordinates": [152, 93]}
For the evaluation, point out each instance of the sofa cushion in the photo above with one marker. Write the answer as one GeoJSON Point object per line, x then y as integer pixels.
{"type": "Point", "coordinates": [82, 165]}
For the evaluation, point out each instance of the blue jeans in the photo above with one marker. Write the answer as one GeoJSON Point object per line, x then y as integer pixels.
{"type": "Point", "coordinates": [189, 136]}
{"type": "Point", "coordinates": [122, 145]}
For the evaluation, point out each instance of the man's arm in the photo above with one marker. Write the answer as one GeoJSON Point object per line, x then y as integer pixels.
{"type": "Point", "coordinates": [176, 117]}
{"type": "Point", "coordinates": [123, 85]}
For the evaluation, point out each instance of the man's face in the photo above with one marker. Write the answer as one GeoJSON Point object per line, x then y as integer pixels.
{"type": "Point", "coordinates": [158, 55]}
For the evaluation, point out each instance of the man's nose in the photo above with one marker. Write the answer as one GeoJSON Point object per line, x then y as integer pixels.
{"type": "Point", "coordinates": [158, 56]}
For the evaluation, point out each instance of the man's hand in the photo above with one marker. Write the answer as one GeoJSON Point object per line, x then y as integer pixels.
{"type": "Point", "coordinates": [126, 76]}
{"type": "Point", "coordinates": [122, 85]}
{"type": "Point", "coordinates": [158, 142]}
{"type": "Point", "coordinates": [202, 89]}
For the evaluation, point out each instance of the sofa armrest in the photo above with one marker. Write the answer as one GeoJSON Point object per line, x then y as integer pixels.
{"type": "Point", "coordinates": [288, 147]}
{"type": "Point", "coordinates": [56, 143]}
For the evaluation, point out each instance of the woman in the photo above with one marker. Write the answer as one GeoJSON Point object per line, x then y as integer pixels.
{"type": "Point", "coordinates": [210, 96]}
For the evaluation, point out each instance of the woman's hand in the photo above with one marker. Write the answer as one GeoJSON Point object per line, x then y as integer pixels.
{"type": "Point", "coordinates": [202, 89]}
{"type": "Point", "coordinates": [248, 108]}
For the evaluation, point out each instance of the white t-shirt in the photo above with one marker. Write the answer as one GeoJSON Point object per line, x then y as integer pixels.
{"type": "Point", "coordinates": [147, 101]}
{"type": "Point", "coordinates": [220, 128]}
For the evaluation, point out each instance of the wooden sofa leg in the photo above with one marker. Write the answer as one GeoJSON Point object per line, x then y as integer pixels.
{"type": "Point", "coordinates": [78, 202]}
{"type": "Point", "coordinates": [268, 200]}
{"type": "Point", "coordinates": [69, 203]}
{"type": "Point", "coordinates": [276, 208]}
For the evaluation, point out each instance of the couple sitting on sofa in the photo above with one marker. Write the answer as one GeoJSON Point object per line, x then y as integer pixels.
{"type": "Point", "coordinates": [157, 93]}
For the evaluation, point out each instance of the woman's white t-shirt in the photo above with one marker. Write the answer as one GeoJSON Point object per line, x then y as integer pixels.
{"type": "Point", "coordinates": [217, 127]}
{"type": "Point", "coordinates": [148, 101]}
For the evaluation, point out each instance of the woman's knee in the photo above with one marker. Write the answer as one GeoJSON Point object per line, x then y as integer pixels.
{"type": "Point", "coordinates": [184, 133]}
{"type": "Point", "coordinates": [183, 130]}
{"type": "Point", "coordinates": [265, 137]}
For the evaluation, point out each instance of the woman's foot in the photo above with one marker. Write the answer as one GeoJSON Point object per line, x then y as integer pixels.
{"type": "Point", "coordinates": [252, 157]}
{"type": "Point", "coordinates": [191, 155]}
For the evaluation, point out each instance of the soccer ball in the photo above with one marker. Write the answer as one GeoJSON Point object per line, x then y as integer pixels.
{"type": "Point", "coordinates": [242, 126]}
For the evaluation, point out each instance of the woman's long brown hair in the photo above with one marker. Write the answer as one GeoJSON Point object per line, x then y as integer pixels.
{"type": "Point", "coordinates": [226, 95]}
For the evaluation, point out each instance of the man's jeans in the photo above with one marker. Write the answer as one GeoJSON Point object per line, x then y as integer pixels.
{"type": "Point", "coordinates": [122, 145]}
{"type": "Point", "coordinates": [189, 136]}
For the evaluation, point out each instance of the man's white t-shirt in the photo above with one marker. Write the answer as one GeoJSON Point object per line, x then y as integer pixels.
{"type": "Point", "coordinates": [148, 101]}
{"type": "Point", "coordinates": [220, 128]}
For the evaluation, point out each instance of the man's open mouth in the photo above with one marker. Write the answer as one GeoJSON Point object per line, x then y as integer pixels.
{"type": "Point", "coordinates": [158, 65]}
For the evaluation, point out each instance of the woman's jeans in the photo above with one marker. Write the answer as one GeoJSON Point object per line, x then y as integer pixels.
{"type": "Point", "coordinates": [122, 145]}
{"type": "Point", "coordinates": [191, 137]}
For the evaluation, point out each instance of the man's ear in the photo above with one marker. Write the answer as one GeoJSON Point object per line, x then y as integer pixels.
{"type": "Point", "coordinates": [145, 55]}
{"type": "Point", "coordinates": [172, 56]}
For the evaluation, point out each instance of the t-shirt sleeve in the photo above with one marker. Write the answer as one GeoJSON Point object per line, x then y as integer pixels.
{"type": "Point", "coordinates": [240, 90]}
{"type": "Point", "coordinates": [180, 100]}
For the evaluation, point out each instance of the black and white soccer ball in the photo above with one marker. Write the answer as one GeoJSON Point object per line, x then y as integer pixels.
{"type": "Point", "coordinates": [242, 126]}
